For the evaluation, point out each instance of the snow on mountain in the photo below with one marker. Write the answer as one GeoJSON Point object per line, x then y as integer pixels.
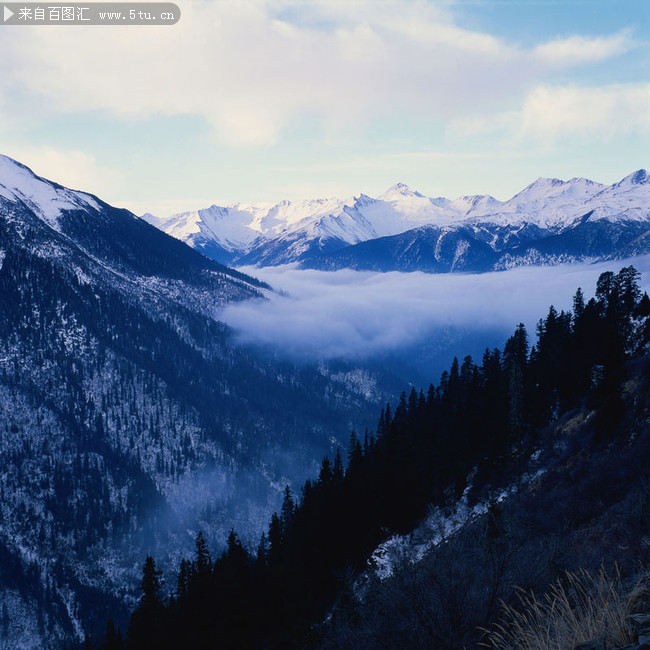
{"type": "Point", "coordinates": [400, 209]}
{"type": "Point", "coordinates": [47, 200]}
{"type": "Point", "coordinates": [126, 408]}
{"type": "Point", "coordinates": [108, 245]}
{"type": "Point", "coordinates": [398, 191]}
{"type": "Point", "coordinates": [547, 203]}
{"type": "Point", "coordinates": [639, 177]}
{"type": "Point", "coordinates": [232, 227]}
{"type": "Point", "coordinates": [244, 228]}
{"type": "Point", "coordinates": [297, 231]}
{"type": "Point", "coordinates": [627, 200]}
{"type": "Point", "coordinates": [259, 233]}
{"type": "Point", "coordinates": [476, 205]}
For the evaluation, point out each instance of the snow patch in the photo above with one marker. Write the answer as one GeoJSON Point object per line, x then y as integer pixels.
{"type": "Point", "coordinates": [439, 525]}
{"type": "Point", "coordinates": [47, 200]}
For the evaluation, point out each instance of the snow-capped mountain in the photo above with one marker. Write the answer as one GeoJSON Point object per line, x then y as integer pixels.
{"type": "Point", "coordinates": [292, 231]}
{"type": "Point", "coordinates": [129, 419]}
{"type": "Point", "coordinates": [337, 233]}
{"type": "Point", "coordinates": [19, 185]}
{"type": "Point", "coordinates": [105, 244]}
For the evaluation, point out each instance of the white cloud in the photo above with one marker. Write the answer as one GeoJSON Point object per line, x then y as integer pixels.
{"type": "Point", "coordinates": [357, 314]}
{"type": "Point", "coordinates": [550, 112]}
{"type": "Point", "coordinates": [251, 71]}
{"type": "Point", "coordinates": [579, 49]}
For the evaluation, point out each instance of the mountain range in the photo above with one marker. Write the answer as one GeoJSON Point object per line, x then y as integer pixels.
{"type": "Point", "coordinates": [548, 222]}
{"type": "Point", "coordinates": [130, 417]}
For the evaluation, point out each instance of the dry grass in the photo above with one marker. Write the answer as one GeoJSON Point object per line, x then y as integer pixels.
{"type": "Point", "coordinates": [581, 608]}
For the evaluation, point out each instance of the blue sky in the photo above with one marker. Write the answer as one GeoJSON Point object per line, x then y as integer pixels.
{"type": "Point", "coordinates": [261, 101]}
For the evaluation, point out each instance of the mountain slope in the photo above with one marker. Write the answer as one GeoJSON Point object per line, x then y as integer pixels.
{"type": "Point", "coordinates": [429, 249]}
{"type": "Point", "coordinates": [124, 403]}
{"type": "Point", "coordinates": [520, 467]}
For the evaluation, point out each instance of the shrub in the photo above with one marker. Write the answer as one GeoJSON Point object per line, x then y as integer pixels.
{"type": "Point", "coordinates": [581, 608]}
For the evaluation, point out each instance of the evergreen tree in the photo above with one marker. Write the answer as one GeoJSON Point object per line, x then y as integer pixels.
{"type": "Point", "coordinates": [515, 360]}
{"type": "Point", "coordinates": [113, 639]}
{"type": "Point", "coordinates": [627, 288]}
{"type": "Point", "coordinates": [337, 469]}
{"type": "Point", "coordinates": [288, 508]}
{"type": "Point", "coordinates": [150, 584]}
{"type": "Point", "coordinates": [355, 452]}
{"type": "Point", "coordinates": [183, 579]}
{"type": "Point", "coordinates": [276, 539]}
{"type": "Point", "coordinates": [202, 560]}
{"type": "Point", "coordinates": [326, 475]}
{"type": "Point", "coordinates": [643, 308]}
{"type": "Point", "coordinates": [578, 305]}
{"type": "Point", "coordinates": [145, 628]}
{"type": "Point", "coordinates": [605, 288]}
{"type": "Point", "coordinates": [262, 556]}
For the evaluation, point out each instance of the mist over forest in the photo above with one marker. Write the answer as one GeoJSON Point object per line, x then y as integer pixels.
{"type": "Point", "coordinates": [420, 319]}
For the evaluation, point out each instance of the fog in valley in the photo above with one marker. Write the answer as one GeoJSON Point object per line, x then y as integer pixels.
{"type": "Point", "coordinates": [420, 319]}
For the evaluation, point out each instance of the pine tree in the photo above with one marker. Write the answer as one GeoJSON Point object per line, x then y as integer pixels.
{"type": "Point", "coordinates": [288, 508]}
{"type": "Point", "coordinates": [325, 476]}
{"type": "Point", "coordinates": [150, 584]}
{"type": "Point", "coordinates": [515, 359]}
{"type": "Point", "coordinates": [145, 628]}
{"type": "Point", "coordinates": [183, 579]}
{"type": "Point", "coordinates": [578, 305]}
{"type": "Point", "coordinates": [113, 639]}
{"type": "Point", "coordinates": [605, 287]}
{"type": "Point", "coordinates": [202, 560]}
{"type": "Point", "coordinates": [235, 554]}
{"type": "Point", "coordinates": [275, 539]}
{"type": "Point", "coordinates": [262, 557]}
{"type": "Point", "coordinates": [643, 308]}
{"type": "Point", "coordinates": [337, 470]}
{"type": "Point", "coordinates": [627, 288]}
{"type": "Point", "coordinates": [355, 453]}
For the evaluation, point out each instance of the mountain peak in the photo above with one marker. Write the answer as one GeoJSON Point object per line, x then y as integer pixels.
{"type": "Point", "coordinates": [545, 182]}
{"type": "Point", "coordinates": [477, 198]}
{"type": "Point", "coordinates": [639, 177]}
{"type": "Point", "coordinates": [14, 175]}
{"type": "Point", "coordinates": [582, 181]}
{"type": "Point", "coordinates": [363, 199]}
{"type": "Point", "coordinates": [47, 199]}
{"type": "Point", "coordinates": [6, 161]}
{"type": "Point", "coordinates": [397, 190]}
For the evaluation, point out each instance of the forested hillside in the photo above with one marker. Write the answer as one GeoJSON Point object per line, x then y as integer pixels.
{"type": "Point", "coordinates": [129, 418]}
{"type": "Point", "coordinates": [543, 446]}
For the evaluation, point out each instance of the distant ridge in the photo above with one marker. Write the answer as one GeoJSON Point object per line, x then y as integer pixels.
{"type": "Point", "coordinates": [402, 229]}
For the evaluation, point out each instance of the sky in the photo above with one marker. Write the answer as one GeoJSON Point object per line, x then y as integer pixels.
{"type": "Point", "coordinates": [260, 101]}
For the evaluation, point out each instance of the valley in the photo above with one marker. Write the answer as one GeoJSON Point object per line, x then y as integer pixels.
{"type": "Point", "coordinates": [149, 393]}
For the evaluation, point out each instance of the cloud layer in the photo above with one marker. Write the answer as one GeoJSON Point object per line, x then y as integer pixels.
{"type": "Point", "coordinates": [250, 69]}
{"type": "Point", "coordinates": [351, 314]}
